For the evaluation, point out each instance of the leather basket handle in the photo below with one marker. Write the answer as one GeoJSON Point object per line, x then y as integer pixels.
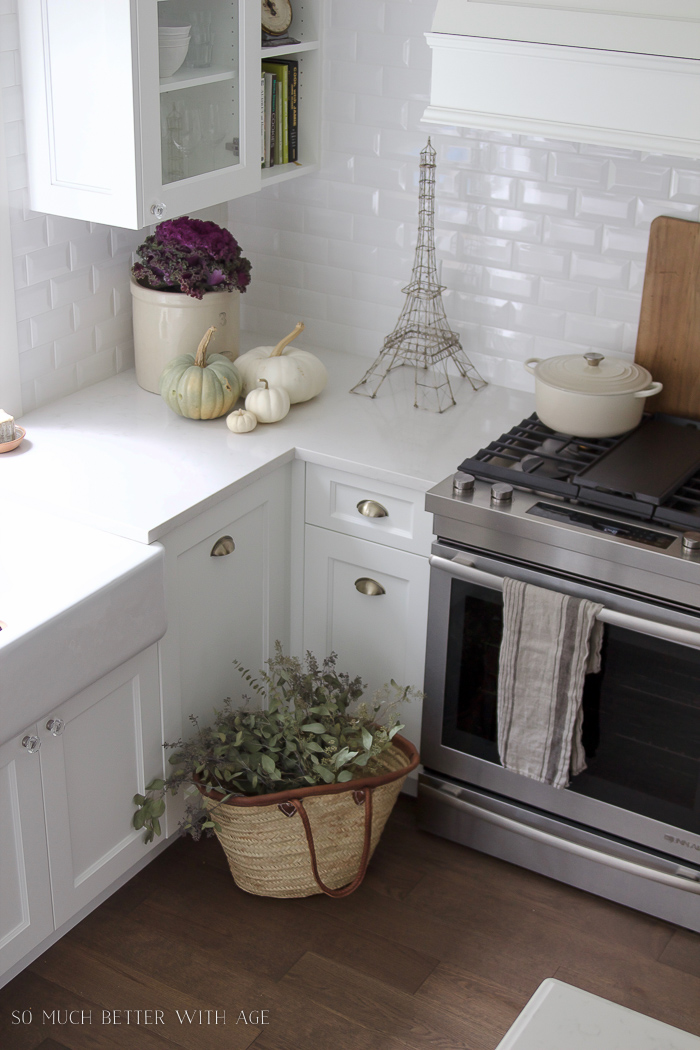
{"type": "Point", "coordinates": [364, 795]}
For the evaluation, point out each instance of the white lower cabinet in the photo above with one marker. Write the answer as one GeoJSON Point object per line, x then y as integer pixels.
{"type": "Point", "coordinates": [368, 603]}
{"type": "Point", "coordinates": [227, 588]}
{"type": "Point", "coordinates": [97, 750]}
{"type": "Point", "coordinates": [25, 894]}
{"type": "Point", "coordinates": [66, 787]}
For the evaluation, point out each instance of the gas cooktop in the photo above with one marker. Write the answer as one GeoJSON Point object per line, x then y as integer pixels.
{"type": "Point", "coordinates": [650, 473]}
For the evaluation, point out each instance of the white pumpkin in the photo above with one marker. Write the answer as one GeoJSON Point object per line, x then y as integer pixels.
{"type": "Point", "coordinates": [299, 372]}
{"type": "Point", "coordinates": [268, 403]}
{"type": "Point", "coordinates": [241, 421]}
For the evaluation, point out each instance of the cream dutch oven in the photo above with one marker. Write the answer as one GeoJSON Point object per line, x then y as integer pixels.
{"type": "Point", "coordinates": [590, 395]}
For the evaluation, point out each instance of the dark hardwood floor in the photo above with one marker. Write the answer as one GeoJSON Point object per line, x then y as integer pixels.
{"type": "Point", "coordinates": [440, 949]}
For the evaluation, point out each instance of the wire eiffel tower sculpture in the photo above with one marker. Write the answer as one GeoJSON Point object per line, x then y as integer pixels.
{"type": "Point", "coordinates": [422, 337]}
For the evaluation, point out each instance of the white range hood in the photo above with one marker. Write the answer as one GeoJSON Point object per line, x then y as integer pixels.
{"type": "Point", "coordinates": [621, 73]}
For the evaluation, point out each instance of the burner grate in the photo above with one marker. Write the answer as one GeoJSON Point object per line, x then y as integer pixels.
{"type": "Point", "coordinates": [549, 459]}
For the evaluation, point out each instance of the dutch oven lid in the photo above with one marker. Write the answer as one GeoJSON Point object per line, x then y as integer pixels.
{"type": "Point", "coordinates": [593, 374]}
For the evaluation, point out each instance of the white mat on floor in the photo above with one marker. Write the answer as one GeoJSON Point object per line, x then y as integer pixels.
{"type": "Point", "coordinates": [561, 1017]}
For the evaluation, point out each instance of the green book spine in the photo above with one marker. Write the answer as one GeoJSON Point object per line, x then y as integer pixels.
{"type": "Point", "coordinates": [281, 72]}
{"type": "Point", "coordinates": [292, 106]}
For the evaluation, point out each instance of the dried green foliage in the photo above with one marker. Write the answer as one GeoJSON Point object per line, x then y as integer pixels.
{"type": "Point", "coordinates": [314, 729]}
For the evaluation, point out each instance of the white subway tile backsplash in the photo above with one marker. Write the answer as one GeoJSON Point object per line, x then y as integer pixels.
{"type": "Point", "coordinates": [685, 184]}
{"type": "Point", "coordinates": [646, 177]}
{"type": "Point", "coordinates": [538, 320]}
{"type": "Point", "coordinates": [75, 347]}
{"type": "Point", "coordinates": [382, 232]}
{"type": "Point", "coordinates": [621, 240]}
{"type": "Point", "coordinates": [572, 233]}
{"type": "Point", "coordinates": [100, 366]}
{"type": "Point", "coordinates": [52, 325]}
{"type": "Point", "coordinates": [568, 296]}
{"type": "Point", "coordinates": [508, 284]}
{"type": "Point", "coordinates": [541, 259]}
{"type": "Point", "coordinates": [518, 160]}
{"type": "Point", "coordinates": [32, 300]}
{"type": "Point", "coordinates": [382, 50]}
{"type": "Point", "coordinates": [572, 169]}
{"type": "Point", "coordinates": [605, 206]}
{"type": "Point", "coordinates": [511, 223]}
{"type": "Point", "coordinates": [619, 306]}
{"type": "Point", "coordinates": [487, 250]}
{"type": "Point", "coordinates": [540, 243]}
{"type": "Point", "coordinates": [392, 112]}
{"type": "Point", "coordinates": [648, 210]}
{"type": "Point", "coordinates": [36, 362]}
{"type": "Point", "coordinates": [544, 198]}
{"type": "Point", "coordinates": [71, 287]}
{"type": "Point", "coordinates": [599, 270]}
{"type": "Point", "coordinates": [29, 236]}
{"type": "Point", "coordinates": [52, 385]}
{"type": "Point", "coordinates": [600, 332]}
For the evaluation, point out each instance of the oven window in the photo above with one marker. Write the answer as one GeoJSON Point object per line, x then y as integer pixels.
{"type": "Point", "coordinates": [641, 727]}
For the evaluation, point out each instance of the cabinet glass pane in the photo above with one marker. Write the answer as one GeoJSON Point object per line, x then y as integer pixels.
{"type": "Point", "coordinates": [200, 100]}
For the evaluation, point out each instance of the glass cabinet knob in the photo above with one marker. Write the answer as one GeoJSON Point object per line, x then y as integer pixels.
{"type": "Point", "coordinates": [55, 726]}
{"type": "Point", "coordinates": [158, 210]}
{"type": "Point", "coordinates": [31, 743]}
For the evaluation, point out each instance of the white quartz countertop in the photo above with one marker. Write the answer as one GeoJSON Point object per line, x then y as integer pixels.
{"type": "Point", "coordinates": [116, 457]}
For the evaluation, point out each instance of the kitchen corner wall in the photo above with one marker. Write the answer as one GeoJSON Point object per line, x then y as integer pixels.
{"type": "Point", "coordinates": [71, 277]}
{"type": "Point", "coordinates": [542, 243]}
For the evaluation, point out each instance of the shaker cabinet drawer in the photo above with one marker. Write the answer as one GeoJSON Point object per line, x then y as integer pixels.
{"type": "Point", "coordinates": [370, 510]}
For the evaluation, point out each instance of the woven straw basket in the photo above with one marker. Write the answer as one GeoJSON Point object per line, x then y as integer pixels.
{"type": "Point", "coordinates": [311, 840]}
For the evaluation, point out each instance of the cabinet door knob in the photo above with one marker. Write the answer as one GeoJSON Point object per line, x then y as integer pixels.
{"type": "Point", "coordinates": [223, 546]}
{"type": "Point", "coordinates": [55, 726]}
{"type": "Point", "coordinates": [371, 509]}
{"type": "Point", "coordinates": [32, 744]}
{"type": "Point", "coordinates": [158, 210]}
{"type": "Point", "coordinates": [370, 587]}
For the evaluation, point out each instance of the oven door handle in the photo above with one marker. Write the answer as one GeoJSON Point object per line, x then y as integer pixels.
{"type": "Point", "coordinates": [680, 882]}
{"type": "Point", "coordinates": [465, 570]}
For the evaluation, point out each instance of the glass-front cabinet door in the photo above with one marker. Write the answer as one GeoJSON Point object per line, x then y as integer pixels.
{"type": "Point", "coordinates": [138, 110]}
{"type": "Point", "coordinates": [200, 129]}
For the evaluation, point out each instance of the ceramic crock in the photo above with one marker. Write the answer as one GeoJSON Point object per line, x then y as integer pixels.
{"type": "Point", "coordinates": [590, 395]}
{"type": "Point", "coordinates": [167, 324]}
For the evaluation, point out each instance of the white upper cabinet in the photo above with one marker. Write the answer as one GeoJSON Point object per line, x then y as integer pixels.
{"type": "Point", "coordinates": [111, 140]}
{"type": "Point", "coordinates": [622, 73]}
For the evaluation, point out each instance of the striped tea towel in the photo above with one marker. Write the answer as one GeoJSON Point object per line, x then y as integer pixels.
{"type": "Point", "coordinates": [550, 642]}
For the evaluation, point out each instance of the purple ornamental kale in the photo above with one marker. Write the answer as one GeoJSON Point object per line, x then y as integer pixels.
{"type": "Point", "coordinates": [191, 256]}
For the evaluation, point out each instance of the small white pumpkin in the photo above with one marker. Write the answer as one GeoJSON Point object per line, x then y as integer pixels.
{"type": "Point", "coordinates": [300, 373]}
{"type": "Point", "coordinates": [241, 421]}
{"type": "Point", "coordinates": [268, 403]}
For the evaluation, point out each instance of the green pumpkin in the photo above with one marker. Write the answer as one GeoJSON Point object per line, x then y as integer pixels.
{"type": "Point", "coordinates": [199, 387]}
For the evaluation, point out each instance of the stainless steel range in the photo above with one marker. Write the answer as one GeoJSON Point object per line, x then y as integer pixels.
{"type": "Point", "coordinates": [616, 521]}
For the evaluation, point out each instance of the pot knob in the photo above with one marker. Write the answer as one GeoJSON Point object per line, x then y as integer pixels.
{"type": "Point", "coordinates": [593, 359]}
{"type": "Point", "coordinates": [501, 492]}
{"type": "Point", "coordinates": [462, 484]}
{"type": "Point", "coordinates": [691, 541]}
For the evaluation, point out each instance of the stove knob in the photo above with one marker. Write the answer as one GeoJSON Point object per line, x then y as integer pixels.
{"type": "Point", "coordinates": [462, 484]}
{"type": "Point", "coordinates": [691, 541]}
{"type": "Point", "coordinates": [501, 492]}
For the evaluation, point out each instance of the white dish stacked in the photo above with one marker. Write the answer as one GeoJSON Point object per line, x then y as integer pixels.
{"type": "Point", "coordinates": [173, 42]}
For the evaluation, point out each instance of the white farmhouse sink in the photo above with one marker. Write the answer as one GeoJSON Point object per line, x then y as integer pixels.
{"type": "Point", "coordinates": [74, 604]}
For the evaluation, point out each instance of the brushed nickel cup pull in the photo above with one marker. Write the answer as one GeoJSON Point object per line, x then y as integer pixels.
{"type": "Point", "coordinates": [371, 509]}
{"type": "Point", "coordinates": [370, 587]}
{"type": "Point", "coordinates": [223, 546]}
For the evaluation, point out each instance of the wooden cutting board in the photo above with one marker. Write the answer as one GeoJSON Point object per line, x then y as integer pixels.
{"type": "Point", "coordinates": [668, 343]}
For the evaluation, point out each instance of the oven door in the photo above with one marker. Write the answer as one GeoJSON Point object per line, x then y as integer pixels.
{"type": "Point", "coordinates": [641, 729]}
